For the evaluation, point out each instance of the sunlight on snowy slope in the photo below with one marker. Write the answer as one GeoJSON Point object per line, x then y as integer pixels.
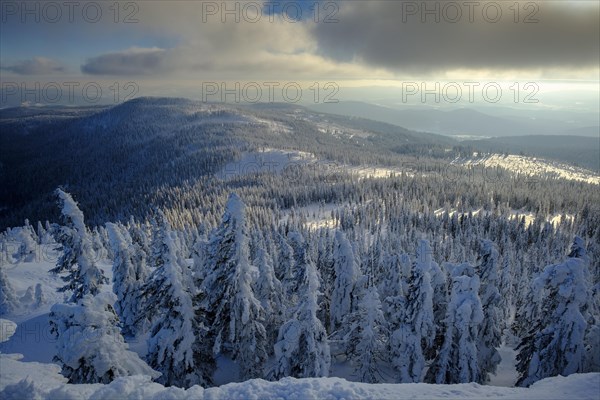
{"type": "Point", "coordinates": [530, 166]}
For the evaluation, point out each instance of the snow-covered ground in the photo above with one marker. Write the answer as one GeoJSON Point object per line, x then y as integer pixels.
{"type": "Point", "coordinates": [506, 374]}
{"type": "Point", "coordinates": [531, 166]}
{"type": "Point", "coordinates": [276, 161]}
{"type": "Point", "coordinates": [32, 380]}
{"type": "Point", "coordinates": [336, 130]}
{"type": "Point", "coordinates": [553, 219]}
{"type": "Point", "coordinates": [266, 161]}
{"type": "Point", "coordinates": [315, 215]}
{"type": "Point", "coordinates": [32, 337]}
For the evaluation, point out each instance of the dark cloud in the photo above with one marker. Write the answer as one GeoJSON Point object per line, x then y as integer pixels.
{"type": "Point", "coordinates": [386, 34]}
{"type": "Point", "coordinates": [130, 62]}
{"type": "Point", "coordinates": [36, 66]}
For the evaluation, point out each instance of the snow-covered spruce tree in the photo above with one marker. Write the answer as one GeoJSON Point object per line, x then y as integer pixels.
{"type": "Point", "coordinates": [229, 308]}
{"type": "Point", "coordinates": [285, 260]}
{"type": "Point", "coordinates": [293, 268]}
{"type": "Point", "coordinates": [43, 235]}
{"type": "Point", "coordinates": [439, 297]}
{"type": "Point", "coordinates": [302, 349]}
{"type": "Point", "coordinates": [366, 341]}
{"type": "Point", "coordinates": [490, 331]}
{"type": "Point", "coordinates": [397, 329]}
{"type": "Point", "coordinates": [457, 360]}
{"type": "Point", "coordinates": [68, 241]}
{"type": "Point", "coordinates": [506, 284]}
{"type": "Point", "coordinates": [324, 264]}
{"type": "Point", "coordinates": [269, 292]}
{"type": "Point", "coordinates": [98, 239]}
{"type": "Point", "coordinates": [90, 347]}
{"type": "Point", "coordinates": [199, 257]}
{"type": "Point", "coordinates": [173, 348]}
{"type": "Point", "coordinates": [40, 298]}
{"type": "Point", "coordinates": [397, 270]}
{"type": "Point", "coordinates": [160, 227]}
{"type": "Point", "coordinates": [416, 330]}
{"type": "Point", "coordinates": [28, 297]}
{"type": "Point", "coordinates": [129, 276]}
{"type": "Point", "coordinates": [529, 301]}
{"type": "Point", "coordinates": [395, 287]}
{"type": "Point", "coordinates": [27, 245]}
{"type": "Point", "coordinates": [78, 258]}
{"type": "Point", "coordinates": [346, 272]}
{"type": "Point", "coordinates": [139, 237]}
{"type": "Point", "coordinates": [8, 297]}
{"type": "Point", "coordinates": [556, 343]}
{"type": "Point", "coordinates": [247, 331]}
{"type": "Point", "coordinates": [592, 309]}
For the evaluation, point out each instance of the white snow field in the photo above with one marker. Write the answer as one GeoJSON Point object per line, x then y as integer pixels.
{"type": "Point", "coordinates": [271, 160]}
{"type": "Point", "coordinates": [275, 161]}
{"type": "Point", "coordinates": [532, 166]}
{"type": "Point", "coordinates": [266, 161]}
{"type": "Point", "coordinates": [31, 380]}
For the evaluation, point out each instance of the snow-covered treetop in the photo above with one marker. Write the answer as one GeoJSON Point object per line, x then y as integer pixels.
{"type": "Point", "coordinates": [487, 247]}
{"type": "Point", "coordinates": [424, 255]}
{"type": "Point", "coordinates": [295, 238]}
{"type": "Point", "coordinates": [116, 238]}
{"type": "Point", "coordinates": [566, 278]}
{"type": "Point", "coordinates": [235, 208]}
{"type": "Point", "coordinates": [460, 269]}
{"type": "Point", "coordinates": [71, 211]}
{"type": "Point", "coordinates": [578, 248]}
{"type": "Point", "coordinates": [488, 261]}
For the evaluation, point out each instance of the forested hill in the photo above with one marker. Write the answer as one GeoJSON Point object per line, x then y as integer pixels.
{"type": "Point", "coordinates": [169, 153]}
{"type": "Point", "coordinates": [117, 159]}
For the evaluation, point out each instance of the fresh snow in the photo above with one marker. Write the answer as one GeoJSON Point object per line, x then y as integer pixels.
{"type": "Point", "coordinates": [532, 167]}
{"type": "Point", "coordinates": [506, 374]}
{"type": "Point", "coordinates": [275, 161]}
{"type": "Point", "coordinates": [554, 219]}
{"type": "Point", "coordinates": [32, 337]}
{"type": "Point", "coordinates": [43, 381]}
{"type": "Point", "coordinates": [266, 161]}
{"type": "Point", "coordinates": [316, 215]}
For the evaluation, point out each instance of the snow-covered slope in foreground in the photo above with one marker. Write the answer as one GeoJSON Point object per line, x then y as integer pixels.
{"type": "Point", "coordinates": [531, 166]}
{"type": "Point", "coordinates": [19, 380]}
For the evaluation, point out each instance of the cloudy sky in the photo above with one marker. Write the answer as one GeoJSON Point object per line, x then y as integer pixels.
{"type": "Point", "coordinates": [167, 45]}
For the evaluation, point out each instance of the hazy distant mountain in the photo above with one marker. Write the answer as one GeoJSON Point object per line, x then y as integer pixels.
{"type": "Point", "coordinates": [461, 121]}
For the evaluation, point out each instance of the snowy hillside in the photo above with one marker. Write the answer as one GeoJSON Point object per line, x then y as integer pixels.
{"type": "Point", "coordinates": [169, 143]}
{"type": "Point", "coordinates": [533, 167]}
{"type": "Point", "coordinates": [276, 161]}
{"type": "Point", "coordinates": [266, 161]}
{"type": "Point", "coordinates": [180, 249]}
